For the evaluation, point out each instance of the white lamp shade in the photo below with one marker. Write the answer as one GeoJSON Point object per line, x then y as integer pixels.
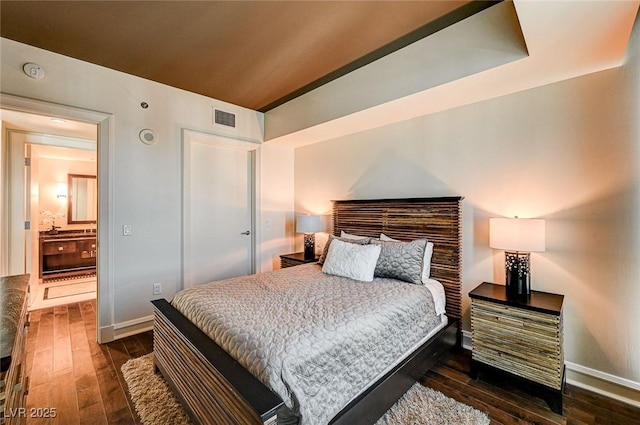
{"type": "Point", "coordinates": [309, 224]}
{"type": "Point", "coordinates": [517, 234]}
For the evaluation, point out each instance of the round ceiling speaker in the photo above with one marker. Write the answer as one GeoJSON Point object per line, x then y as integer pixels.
{"type": "Point", "coordinates": [148, 136]}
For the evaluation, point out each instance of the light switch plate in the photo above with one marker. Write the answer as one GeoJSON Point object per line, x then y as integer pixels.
{"type": "Point", "coordinates": [127, 230]}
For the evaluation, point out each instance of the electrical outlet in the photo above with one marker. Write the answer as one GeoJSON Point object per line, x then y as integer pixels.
{"type": "Point", "coordinates": [157, 288]}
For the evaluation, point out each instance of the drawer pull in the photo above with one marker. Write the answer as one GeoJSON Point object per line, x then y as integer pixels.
{"type": "Point", "coordinates": [60, 248]}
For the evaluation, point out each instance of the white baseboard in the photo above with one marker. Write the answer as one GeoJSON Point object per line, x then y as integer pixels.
{"type": "Point", "coordinates": [611, 386]}
{"type": "Point", "coordinates": [124, 329]}
{"type": "Point", "coordinates": [466, 340]}
{"type": "Point", "coordinates": [614, 387]}
{"type": "Point", "coordinates": [106, 334]}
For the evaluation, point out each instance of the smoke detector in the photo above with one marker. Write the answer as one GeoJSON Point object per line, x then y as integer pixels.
{"type": "Point", "coordinates": [33, 70]}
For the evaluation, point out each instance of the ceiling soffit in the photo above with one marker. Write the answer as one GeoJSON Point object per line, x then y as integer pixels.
{"type": "Point", "coordinates": [564, 39]}
{"type": "Point", "coordinates": [486, 40]}
{"type": "Point", "coordinates": [253, 54]}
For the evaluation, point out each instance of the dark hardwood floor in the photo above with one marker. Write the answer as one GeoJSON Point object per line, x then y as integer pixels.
{"type": "Point", "coordinates": [508, 404]}
{"type": "Point", "coordinates": [69, 371]}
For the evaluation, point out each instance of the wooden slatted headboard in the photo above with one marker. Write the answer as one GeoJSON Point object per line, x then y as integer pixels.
{"type": "Point", "coordinates": [437, 219]}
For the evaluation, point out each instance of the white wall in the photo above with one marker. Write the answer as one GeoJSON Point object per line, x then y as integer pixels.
{"type": "Point", "coordinates": [566, 152]}
{"type": "Point", "coordinates": [50, 172]}
{"type": "Point", "coordinates": [145, 181]}
{"type": "Point", "coordinates": [276, 210]}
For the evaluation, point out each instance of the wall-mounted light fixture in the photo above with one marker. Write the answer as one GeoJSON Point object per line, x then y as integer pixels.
{"type": "Point", "coordinates": [61, 191]}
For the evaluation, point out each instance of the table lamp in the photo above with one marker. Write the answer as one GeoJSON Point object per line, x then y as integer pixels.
{"type": "Point", "coordinates": [309, 225]}
{"type": "Point", "coordinates": [517, 237]}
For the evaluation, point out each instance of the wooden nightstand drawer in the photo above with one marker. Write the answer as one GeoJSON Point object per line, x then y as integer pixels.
{"type": "Point", "coordinates": [531, 350]}
{"type": "Point", "coordinates": [524, 342]}
{"type": "Point", "coordinates": [520, 326]}
{"type": "Point", "coordinates": [295, 259]}
{"type": "Point", "coordinates": [285, 262]}
{"type": "Point", "coordinates": [522, 337]}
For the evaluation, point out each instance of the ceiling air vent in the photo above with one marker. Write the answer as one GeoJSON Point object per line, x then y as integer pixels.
{"type": "Point", "coordinates": [225, 118]}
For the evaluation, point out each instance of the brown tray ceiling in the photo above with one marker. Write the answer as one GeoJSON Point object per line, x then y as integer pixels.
{"type": "Point", "coordinates": [256, 54]}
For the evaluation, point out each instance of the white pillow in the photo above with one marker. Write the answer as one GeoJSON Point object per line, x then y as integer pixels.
{"type": "Point", "coordinates": [350, 260]}
{"type": "Point", "coordinates": [426, 261]}
{"type": "Point", "coordinates": [439, 297]}
{"type": "Point", "coordinates": [346, 235]}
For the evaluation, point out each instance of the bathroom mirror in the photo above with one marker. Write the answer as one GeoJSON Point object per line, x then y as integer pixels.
{"type": "Point", "coordinates": [82, 198]}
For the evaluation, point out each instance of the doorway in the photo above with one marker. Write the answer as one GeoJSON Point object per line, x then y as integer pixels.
{"type": "Point", "coordinates": [47, 238]}
{"type": "Point", "coordinates": [104, 122]}
{"type": "Point", "coordinates": [64, 225]}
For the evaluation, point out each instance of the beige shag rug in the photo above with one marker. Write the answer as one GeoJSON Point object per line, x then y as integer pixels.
{"type": "Point", "coordinates": [156, 405]}
{"type": "Point", "coordinates": [152, 397]}
{"type": "Point", "coordinates": [425, 406]}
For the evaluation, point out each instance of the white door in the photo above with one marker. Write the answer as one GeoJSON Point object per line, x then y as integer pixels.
{"type": "Point", "coordinates": [218, 208]}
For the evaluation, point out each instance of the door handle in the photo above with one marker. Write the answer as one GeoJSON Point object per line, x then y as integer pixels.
{"type": "Point", "coordinates": [248, 232]}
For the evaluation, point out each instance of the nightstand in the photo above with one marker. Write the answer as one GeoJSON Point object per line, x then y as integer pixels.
{"type": "Point", "coordinates": [521, 337]}
{"type": "Point", "coordinates": [295, 259]}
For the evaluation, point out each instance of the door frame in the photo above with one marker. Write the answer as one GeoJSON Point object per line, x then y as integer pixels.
{"type": "Point", "coordinates": [194, 136]}
{"type": "Point", "coordinates": [105, 133]}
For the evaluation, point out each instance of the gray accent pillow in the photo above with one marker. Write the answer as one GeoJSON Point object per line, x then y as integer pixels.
{"type": "Point", "coordinates": [401, 260]}
{"type": "Point", "coordinates": [363, 241]}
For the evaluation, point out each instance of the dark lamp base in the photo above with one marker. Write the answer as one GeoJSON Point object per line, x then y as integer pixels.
{"type": "Point", "coordinates": [518, 273]}
{"type": "Point", "coordinates": [309, 246]}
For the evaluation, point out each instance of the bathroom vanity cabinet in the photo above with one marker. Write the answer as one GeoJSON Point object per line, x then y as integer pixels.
{"type": "Point", "coordinates": [67, 254]}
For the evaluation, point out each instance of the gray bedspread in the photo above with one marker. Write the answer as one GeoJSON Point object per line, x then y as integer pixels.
{"type": "Point", "coordinates": [314, 339]}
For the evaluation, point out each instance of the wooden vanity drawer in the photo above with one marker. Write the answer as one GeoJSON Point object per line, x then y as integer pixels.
{"type": "Point", "coordinates": [58, 247]}
{"type": "Point", "coordinates": [86, 244]}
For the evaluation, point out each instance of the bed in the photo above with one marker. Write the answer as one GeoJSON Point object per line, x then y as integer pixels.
{"type": "Point", "coordinates": [218, 388]}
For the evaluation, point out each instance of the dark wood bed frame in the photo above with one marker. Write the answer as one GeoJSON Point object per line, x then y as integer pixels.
{"type": "Point", "coordinates": [215, 389]}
